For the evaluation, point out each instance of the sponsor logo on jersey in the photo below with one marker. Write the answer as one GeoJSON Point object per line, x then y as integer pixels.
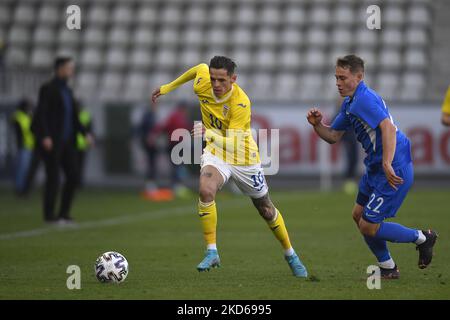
{"type": "Point", "coordinates": [225, 110]}
{"type": "Point", "coordinates": [242, 105]}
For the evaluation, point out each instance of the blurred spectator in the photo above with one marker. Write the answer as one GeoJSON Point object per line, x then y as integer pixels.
{"type": "Point", "coordinates": [56, 124]}
{"type": "Point", "coordinates": [85, 139]}
{"type": "Point", "coordinates": [21, 120]}
{"type": "Point", "coordinates": [351, 157]}
{"type": "Point", "coordinates": [147, 124]}
{"type": "Point", "coordinates": [178, 119]}
{"type": "Point", "coordinates": [446, 109]}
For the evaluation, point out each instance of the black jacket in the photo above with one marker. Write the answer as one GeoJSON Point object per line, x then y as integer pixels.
{"type": "Point", "coordinates": [49, 115]}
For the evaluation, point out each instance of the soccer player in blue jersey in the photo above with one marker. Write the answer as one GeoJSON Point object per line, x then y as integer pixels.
{"type": "Point", "coordinates": [389, 169]}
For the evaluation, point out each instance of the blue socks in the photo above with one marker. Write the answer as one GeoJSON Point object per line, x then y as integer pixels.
{"type": "Point", "coordinates": [378, 247]}
{"type": "Point", "coordinates": [395, 232]}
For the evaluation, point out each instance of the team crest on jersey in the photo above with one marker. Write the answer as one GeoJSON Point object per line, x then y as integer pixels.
{"type": "Point", "coordinates": [225, 110]}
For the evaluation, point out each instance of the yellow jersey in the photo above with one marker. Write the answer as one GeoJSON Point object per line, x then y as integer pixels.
{"type": "Point", "coordinates": [226, 119]}
{"type": "Point", "coordinates": [446, 104]}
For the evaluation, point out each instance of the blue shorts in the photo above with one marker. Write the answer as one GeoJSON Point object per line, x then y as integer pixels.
{"type": "Point", "coordinates": [379, 199]}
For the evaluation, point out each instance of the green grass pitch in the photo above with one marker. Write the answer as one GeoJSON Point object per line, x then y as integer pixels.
{"type": "Point", "coordinates": [163, 244]}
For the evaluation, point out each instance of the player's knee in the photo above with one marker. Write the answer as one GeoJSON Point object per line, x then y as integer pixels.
{"type": "Point", "coordinates": [368, 229]}
{"type": "Point", "coordinates": [356, 215]}
{"type": "Point", "coordinates": [267, 212]}
{"type": "Point", "coordinates": [207, 194]}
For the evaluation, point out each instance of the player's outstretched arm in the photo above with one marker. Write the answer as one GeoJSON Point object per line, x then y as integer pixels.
{"type": "Point", "coordinates": [389, 141]}
{"type": "Point", "coordinates": [328, 134]}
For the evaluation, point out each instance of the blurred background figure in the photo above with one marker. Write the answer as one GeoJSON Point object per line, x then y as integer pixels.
{"type": "Point", "coordinates": [148, 123]}
{"type": "Point", "coordinates": [445, 118]}
{"type": "Point", "coordinates": [351, 157]}
{"type": "Point", "coordinates": [85, 139]}
{"type": "Point", "coordinates": [56, 124]}
{"type": "Point", "coordinates": [178, 119]}
{"type": "Point", "coordinates": [21, 121]}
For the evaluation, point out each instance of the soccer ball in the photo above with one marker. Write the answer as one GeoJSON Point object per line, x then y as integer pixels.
{"type": "Point", "coordinates": [111, 267]}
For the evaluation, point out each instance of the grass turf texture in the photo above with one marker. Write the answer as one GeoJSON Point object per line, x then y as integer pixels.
{"type": "Point", "coordinates": [163, 244]}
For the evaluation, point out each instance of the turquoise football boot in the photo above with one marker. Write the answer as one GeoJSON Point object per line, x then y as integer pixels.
{"type": "Point", "coordinates": [211, 260]}
{"type": "Point", "coordinates": [297, 267]}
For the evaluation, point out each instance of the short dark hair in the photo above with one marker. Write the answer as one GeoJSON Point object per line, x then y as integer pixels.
{"type": "Point", "coordinates": [221, 62]}
{"type": "Point", "coordinates": [60, 61]}
{"type": "Point", "coordinates": [352, 62]}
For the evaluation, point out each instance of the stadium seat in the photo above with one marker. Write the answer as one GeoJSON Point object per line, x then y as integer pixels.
{"type": "Point", "coordinates": [217, 36]}
{"type": "Point", "coordinates": [294, 15]}
{"type": "Point", "coordinates": [5, 15]}
{"type": "Point", "coordinates": [287, 86]}
{"type": "Point", "coordinates": [192, 36]}
{"type": "Point", "coordinates": [393, 16]}
{"type": "Point", "coordinates": [291, 36]}
{"type": "Point", "coordinates": [389, 59]}
{"type": "Point", "coordinates": [343, 16]}
{"type": "Point", "coordinates": [242, 36]}
{"type": "Point", "coordinates": [314, 59]}
{"type": "Point", "coordinates": [44, 36]}
{"type": "Point", "coordinates": [341, 37]}
{"type": "Point", "coordinates": [319, 16]}
{"type": "Point", "coordinates": [416, 37]}
{"type": "Point", "coordinates": [16, 56]}
{"type": "Point", "coordinates": [290, 59]}
{"type": "Point", "coordinates": [316, 37]}
{"type": "Point", "coordinates": [416, 59]}
{"type": "Point", "coordinates": [122, 15]}
{"type": "Point", "coordinates": [19, 35]}
{"type": "Point", "coordinates": [270, 16]}
{"type": "Point", "coordinates": [413, 86]}
{"type": "Point", "coordinates": [165, 58]}
{"type": "Point", "coordinates": [93, 37]}
{"type": "Point", "coordinates": [141, 58]}
{"type": "Point", "coordinates": [246, 15]}
{"type": "Point", "coordinates": [242, 57]}
{"type": "Point", "coordinates": [119, 36]}
{"type": "Point", "coordinates": [68, 38]}
{"type": "Point", "coordinates": [116, 58]}
{"type": "Point", "coordinates": [111, 85]}
{"type": "Point", "coordinates": [171, 15]}
{"type": "Point", "coordinates": [24, 15]}
{"type": "Point", "coordinates": [392, 38]}
{"type": "Point", "coordinates": [49, 15]}
{"type": "Point", "coordinates": [419, 15]}
{"type": "Point", "coordinates": [265, 59]}
{"type": "Point", "coordinates": [219, 15]}
{"type": "Point", "coordinates": [195, 15]}
{"type": "Point", "coordinates": [168, 36]}
{"type": "Point", "coordinates": [97, 16]}
{"type": "Point", "coordinates": [86, 82]}
{"type": "Point", "coordinates": [137, 85]}
{"type": "Point", "coordinates": [366, 37]}
{"type": "Point", "coordinates": [387, 85]}
{"type": "Point", "coordinates": [91, 58]}
{"type": "Point", "coordinates": [310, 85]}
{"type": "Point", "coordinates": [146, 15]}
{"type": "Point", "coordinates": [267, 37]}
{"type": "Point", "coordinates": [189, 57]}
{"type": "Point", "coordinates": [262, 86]}
{"type": "Point", "coordinates": [143, 37]}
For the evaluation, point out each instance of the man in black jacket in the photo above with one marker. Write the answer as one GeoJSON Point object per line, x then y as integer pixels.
{"type": "Point", "coordinates": [55, 126]}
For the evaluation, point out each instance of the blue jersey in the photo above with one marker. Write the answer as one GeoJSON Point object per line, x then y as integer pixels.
{"type": "Point", "coordinates": [364, 112]}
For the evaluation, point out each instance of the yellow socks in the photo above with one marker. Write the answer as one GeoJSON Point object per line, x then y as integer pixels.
{"type": "Point", "coordinates": [208, 217]}
{"type": "Point", "coordinates": [279, 230]}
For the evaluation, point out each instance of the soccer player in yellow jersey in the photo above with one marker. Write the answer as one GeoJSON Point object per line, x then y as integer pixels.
{"type": "Point", "coordinates": [230, 152]}
{"type": "Point", "coordinates": [446, 109]}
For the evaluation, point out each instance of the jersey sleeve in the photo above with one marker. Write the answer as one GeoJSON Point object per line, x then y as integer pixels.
{"type": "Point", "coordinates": [202, 79]}
{"type": "Point", "coordinates": [191, 74]}
{"type": "Point", "coordinates": [446, 104]}
{"type": "Point", "coordinates": [371, 111]}
{"type": "Point", "coordinates": [341, 121]}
